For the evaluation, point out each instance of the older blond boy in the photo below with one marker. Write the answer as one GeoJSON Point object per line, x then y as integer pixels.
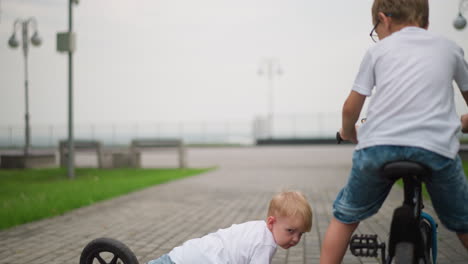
{"type": "Point", "coordinates": [289, 216]}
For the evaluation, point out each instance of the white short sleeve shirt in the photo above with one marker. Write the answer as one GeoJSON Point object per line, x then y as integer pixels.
{"type": "Point", "coordinates": [247, 243]}
{"type": "Point", "coordinates": [408, 77]}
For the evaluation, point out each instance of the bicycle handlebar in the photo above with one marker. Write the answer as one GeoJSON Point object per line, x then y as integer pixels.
{"type": "Point", "coordinates": [339, 139]}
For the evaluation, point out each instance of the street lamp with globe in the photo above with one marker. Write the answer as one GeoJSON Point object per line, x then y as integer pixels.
{"type": "Point", "coordinates": [271, 68]}
{"type": "Point", "coordinates": [14, 43]}
{"type": "Point", "coordinates": [460, 21]}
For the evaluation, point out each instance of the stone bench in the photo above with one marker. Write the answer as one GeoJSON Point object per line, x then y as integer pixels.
{"type": "Point", "coordinates": [82, 145]}
{"type": "Point", "coordinates": [138, 145]}
{"type": "Point", "coordinates": [34, 159]}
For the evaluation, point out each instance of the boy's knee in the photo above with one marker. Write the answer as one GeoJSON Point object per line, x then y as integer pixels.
{"type": "Point", "coordinates": [464, 239]}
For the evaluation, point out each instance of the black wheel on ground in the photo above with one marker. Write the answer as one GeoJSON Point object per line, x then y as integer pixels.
{"type": "Point", "coordinates": [404, 253]}
{"type": "Point", "coordinates": [107, 251]}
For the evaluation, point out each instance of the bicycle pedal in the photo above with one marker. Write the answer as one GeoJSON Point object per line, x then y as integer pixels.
{"type": "Point", "coordinates": [365, 245]}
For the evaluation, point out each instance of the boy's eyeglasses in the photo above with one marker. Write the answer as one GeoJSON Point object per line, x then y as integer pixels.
{"type": "Point", "coordinates": [373, 34]}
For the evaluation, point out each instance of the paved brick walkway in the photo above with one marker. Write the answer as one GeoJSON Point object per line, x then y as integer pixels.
{"type": "Point", "coordinates": [154, 220]}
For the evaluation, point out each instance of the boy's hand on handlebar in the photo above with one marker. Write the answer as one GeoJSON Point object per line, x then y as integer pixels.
{"type": "Point", "coordinates": [349, 136]}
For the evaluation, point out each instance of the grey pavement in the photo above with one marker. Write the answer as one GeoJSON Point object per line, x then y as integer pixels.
{"type": "Point", "coordinates": [153, 221]}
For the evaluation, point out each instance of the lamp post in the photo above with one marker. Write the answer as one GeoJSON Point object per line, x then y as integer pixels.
{"type": "Point", "coordinates": [66, 42]}
{"type": "Point", "coordinates": [460, 21]}
{"type": "Point", "coordinates": [271, 68]}
{"type": "Point", "coordinates": [14, 43]}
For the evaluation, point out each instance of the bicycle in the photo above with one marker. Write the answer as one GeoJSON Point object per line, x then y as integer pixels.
{"type": "Point", "coordinates": [413, 233]}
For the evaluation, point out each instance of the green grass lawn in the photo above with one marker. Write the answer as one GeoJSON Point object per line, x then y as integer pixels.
{"type": "Point", "coordinates": [465, 167]}
{"type": "Point", "coordinates": [32, 194]}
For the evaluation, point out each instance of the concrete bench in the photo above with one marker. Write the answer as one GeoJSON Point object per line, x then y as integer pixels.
{"type": "Point", "coordinates": [35, 159]}
{"type": "Point", "coordinates": [138, 145]}
{"type": "Point", "coordinates": [82, 145]}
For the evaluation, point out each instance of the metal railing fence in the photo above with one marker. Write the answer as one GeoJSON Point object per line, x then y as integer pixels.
{"type": "Point", "coordinates": [246, 132]}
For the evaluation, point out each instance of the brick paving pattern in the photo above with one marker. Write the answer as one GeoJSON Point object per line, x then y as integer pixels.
{"type": "Point", "coordinates": [153, 221]}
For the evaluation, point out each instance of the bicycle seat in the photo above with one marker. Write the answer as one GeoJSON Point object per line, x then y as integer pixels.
{"type": "Point", "coordinates": [398, 169]}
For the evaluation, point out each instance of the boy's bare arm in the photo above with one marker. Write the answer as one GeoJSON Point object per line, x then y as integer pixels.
{"type": "Point", "coordinates": [351, 111]}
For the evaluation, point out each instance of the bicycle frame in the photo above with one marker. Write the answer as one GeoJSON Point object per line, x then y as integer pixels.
{"type": "Point", "coordinates": [409, 223]}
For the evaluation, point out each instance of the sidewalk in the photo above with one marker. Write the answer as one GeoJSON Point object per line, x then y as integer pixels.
{"type": "Point", "coordinates": [153, 221]}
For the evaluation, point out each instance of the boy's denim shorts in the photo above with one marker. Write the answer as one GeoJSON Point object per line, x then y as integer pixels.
{"type": "Point", "coordinates": [366, 190]}
{"type": "Point", "coordinates": [164, 259]}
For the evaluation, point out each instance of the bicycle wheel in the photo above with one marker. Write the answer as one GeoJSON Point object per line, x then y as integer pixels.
{"type": "Point", "coordinates": [404, 253]}
{"type": "Point", "coordinates": [426, 237]}
{"type": "Point", "coordinates": [107, 251]}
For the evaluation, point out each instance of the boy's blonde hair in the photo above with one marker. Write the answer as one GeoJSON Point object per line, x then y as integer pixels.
{"type": "Point", "coordinates": [291, 203]}
{"type": "Point", "coordinates": [403, 11]}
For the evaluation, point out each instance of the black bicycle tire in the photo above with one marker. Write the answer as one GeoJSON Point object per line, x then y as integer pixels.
{"type": "Point", "coordinates": [100, 245]}
{"type": "Point", "coordinates": [404, 253]}
{"type": "Point", "coordinates": [426, 237]}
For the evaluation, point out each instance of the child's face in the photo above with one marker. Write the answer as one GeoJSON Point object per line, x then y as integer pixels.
{"type": "Point", "coordinates": [287, 231]}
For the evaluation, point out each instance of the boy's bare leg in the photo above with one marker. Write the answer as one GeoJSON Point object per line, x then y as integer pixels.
{"type": "Point", "coordinates": [336, 241]}
{"type": "Point", "coordinates": [464, 239]}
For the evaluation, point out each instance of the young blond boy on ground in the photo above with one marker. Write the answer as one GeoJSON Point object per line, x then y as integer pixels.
{"type": "Point", "coordinates": [289, 216]}
{"type": "Point", "coordinates": [411, 117]}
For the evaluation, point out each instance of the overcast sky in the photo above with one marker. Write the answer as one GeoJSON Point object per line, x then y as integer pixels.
{"type": "Point", "coordinates": [191, 60]}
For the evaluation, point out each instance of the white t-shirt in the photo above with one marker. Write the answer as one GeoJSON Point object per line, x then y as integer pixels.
{"type": "Point", "coordinates": [250, 242]}
{"type": "Point", "coordinates": [412, 71]}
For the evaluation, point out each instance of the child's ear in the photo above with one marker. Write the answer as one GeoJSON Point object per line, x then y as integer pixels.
{"type": "Point", "coordinates": [385, 20]}
{"type": "Point", "coordinates": [270, 221]}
